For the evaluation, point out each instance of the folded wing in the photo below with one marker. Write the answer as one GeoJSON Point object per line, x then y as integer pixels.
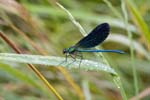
{"type": "Point", "coordinates": [95, 37]}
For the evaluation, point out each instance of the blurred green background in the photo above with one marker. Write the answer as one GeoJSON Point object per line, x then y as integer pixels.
{"type": "Point", "coordinates": [40, 26]}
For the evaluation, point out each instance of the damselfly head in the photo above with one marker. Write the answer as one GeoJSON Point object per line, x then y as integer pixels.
{"type": "Point", "coordinates": [65, 51]}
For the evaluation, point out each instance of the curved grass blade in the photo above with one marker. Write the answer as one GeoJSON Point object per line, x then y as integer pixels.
{"type": "Point", "coordinates": [55, 61]}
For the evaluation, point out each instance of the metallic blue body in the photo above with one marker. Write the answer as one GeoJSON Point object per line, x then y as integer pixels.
{"type": "Point", "coordinates": [114, 51]}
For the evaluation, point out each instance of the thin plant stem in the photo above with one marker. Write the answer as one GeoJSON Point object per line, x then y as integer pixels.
{"type": "Point", "coordinates": [123, 4]}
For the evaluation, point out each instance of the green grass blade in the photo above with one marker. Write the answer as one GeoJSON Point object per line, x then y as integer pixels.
{"type": "Point", "coordinates": [135, 78]}
{"type": "Point", "coordinates": [56, 61]}
{"type": "Point", "coordinates": [138, 20]}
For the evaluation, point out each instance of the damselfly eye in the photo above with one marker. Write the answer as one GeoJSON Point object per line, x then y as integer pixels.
{"type": "Point", "coordinates": [64, 51]}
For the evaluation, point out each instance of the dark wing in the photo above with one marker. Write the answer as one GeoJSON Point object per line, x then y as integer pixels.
{"type": "Point", "coordinates": [95, 37]}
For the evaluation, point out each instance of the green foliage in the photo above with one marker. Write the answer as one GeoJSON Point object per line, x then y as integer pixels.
{"type": "Point", "coordinates": [50, 28]}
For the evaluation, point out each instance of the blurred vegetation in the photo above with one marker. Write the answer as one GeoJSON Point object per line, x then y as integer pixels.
{"type": "Point", "coordinates": [41, 27]}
